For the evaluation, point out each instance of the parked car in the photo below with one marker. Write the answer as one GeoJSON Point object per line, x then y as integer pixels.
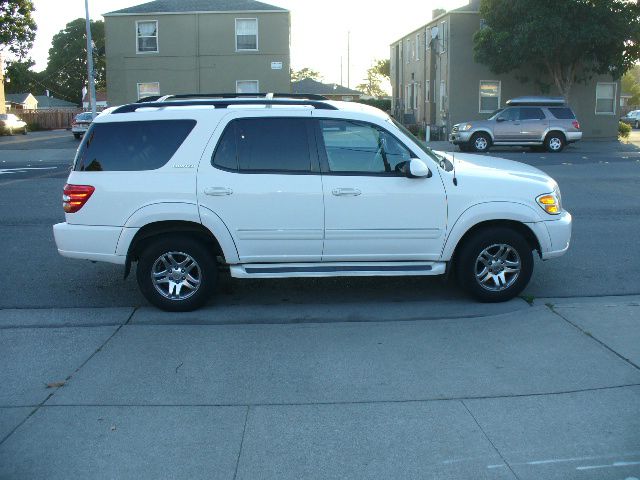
{"type": "Point", "coordinates": [525, 121]}
{"type": "Point", "coordinates": [632, 118]}
{"type": "Point", "coordinates": [308, 188]}
{"type": "Point", "coordinates": [81, 124]}
{"type": "Point", "coordinates": [10, 124]}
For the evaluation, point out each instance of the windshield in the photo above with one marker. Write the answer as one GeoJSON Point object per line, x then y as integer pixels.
{"type": "Point", "coordinates": [496, 113]}
{"type": "Point", "coordinates": [442, 161]}
{"type": "Point", "coordinates": [84, 116]}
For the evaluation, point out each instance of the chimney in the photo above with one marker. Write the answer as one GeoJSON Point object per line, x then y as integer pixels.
{"type": "Point", "coordinates": [439, 11]}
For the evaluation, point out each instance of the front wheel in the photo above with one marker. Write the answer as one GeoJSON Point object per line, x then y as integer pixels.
{"type": "Point", "coordinates": [494, 265]}
{"type": "Point", "coordinates": [480, 142]}
{"type": "Point", "coordinates": [176, 274]}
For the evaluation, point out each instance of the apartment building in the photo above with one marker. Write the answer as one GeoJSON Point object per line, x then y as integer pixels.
{"type": "Point", "coordinates": [196, 46]}
{"type": "Point", "coordinates": [436, 81]}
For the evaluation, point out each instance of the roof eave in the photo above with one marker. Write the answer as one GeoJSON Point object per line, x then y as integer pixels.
{"type": "Point", "coordinates": [194, 12]}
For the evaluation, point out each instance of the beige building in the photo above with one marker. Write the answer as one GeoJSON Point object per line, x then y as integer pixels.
{"type": "Point", "coordinates": [21, 101]}
{"type": "Point", "coordinates": [436, 81]}
{"type": "Point", "coordinates": [196, 46]}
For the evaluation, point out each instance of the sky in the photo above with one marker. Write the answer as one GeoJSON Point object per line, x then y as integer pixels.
{"type": "Point", "coordinates": [318, 29]}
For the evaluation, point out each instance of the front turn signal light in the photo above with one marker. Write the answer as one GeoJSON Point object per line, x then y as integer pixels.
{"type": "Point", "coordinates": [549, 203]}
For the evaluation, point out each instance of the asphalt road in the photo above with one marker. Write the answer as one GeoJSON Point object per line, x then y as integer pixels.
{"type": "Point", "coordinates": [599, 182]}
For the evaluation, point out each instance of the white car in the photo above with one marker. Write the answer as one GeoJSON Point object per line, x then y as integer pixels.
{"type": "Point", "coordinates": [10, 124]}
{"type": "Point", "coordinates": [81, 124]}
{"type": "Point", "coordinates": [297, 187]}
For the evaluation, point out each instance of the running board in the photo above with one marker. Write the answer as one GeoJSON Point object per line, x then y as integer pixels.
{"type": "Point", "coordinates": [337, 269]}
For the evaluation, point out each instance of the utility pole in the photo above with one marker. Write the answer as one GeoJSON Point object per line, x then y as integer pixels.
{"type": "Point", "coordinates": [341, 66]}
{"type": "Point", "coordinates": [349, 59]}
{"type": "Point", "coordinates": [92, 80]}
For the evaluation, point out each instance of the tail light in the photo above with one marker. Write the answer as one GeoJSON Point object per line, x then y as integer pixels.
{"type": "Point", "coordinates": [576, 124]}
{"type": "Point", "coordinates": [75, 196]}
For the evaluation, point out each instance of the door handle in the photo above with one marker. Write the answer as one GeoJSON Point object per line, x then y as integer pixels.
{"type": "Point", "coordinates": [217, 191]}
{"type": "Point", "coordinates": [346, 192]}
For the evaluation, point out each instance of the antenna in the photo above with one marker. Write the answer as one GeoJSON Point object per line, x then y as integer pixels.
{"type": "Point", "coordinates": [453, 158]}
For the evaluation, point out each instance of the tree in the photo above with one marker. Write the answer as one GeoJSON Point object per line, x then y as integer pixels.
{"type": "Point", "coordinates": [376, 74]}
{"type": "Point", "coordinates": [66, 72]}
{"type": "Point", "coordinates": [631, 84]}
{"type": "Point", "coordinates": [570, 40]}
{"type": "Point", "coordinates": [22, 78]}
{"type": "Point", "coordinates": [17, 26]}
{"type": "Point", "coordinates": [297, 75]}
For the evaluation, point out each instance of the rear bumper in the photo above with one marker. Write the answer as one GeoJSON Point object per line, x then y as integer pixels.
{"type": "Point", "coordinates": [559, 235]}
{"type": "Point", "coordinates": [88, 242]}
{"type": "Point", "coordinates": [573, 136]}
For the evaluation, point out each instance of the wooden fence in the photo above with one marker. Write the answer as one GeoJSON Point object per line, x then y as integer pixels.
{"type": "Point", "coordinates": [47, 119]}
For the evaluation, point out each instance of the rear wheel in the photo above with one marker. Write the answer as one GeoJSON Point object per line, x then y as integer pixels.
{"type": "Point", "coordinates": [554, 142]}
{"type": "Point", "coordinates": [24, 130]}
{"type": "Point", "coordinates": [176, 274]}
{"type": "Point", "coordinates": [76, 136]}
{"type": "Point", "coordinates": [480, 142]}
{"type": "Point", "coordinates": [494, 265]}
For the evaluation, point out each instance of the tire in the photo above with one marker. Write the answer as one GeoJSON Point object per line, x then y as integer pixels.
{"type": "Point", "coordinates": [480, 142]}
{"type": "Point", "coordinates": [182, 250]}
{"type": "Point", "coordinates": [464, 148]}
{"type": "Point", "coordinates": [76, 136]}
{"type": "Point", "coordinates": [485, 281]}
{"type": "Point", "coordinates": [10, 131]}
{"type": "Point", "coordinates": [637, 126]}
{"type": "Point", "coordinates": [25, 131]}
{"type": "Point", "coordinates": [554, 142]}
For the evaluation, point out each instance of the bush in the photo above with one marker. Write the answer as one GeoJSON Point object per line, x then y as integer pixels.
{"type": "Point", "coordinates": [34, 127]}
{"type": "Point", "coordinates": [623, 130]}
{"type": "Point", "coordinates": [382, 104]}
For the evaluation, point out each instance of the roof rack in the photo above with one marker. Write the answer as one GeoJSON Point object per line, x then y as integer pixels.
{"type": "Point", "coordinates": [267, 96]}
{"type": "Point", "coordinates": [132, 107]}
{"type": "Point", "coordinates": [536, 101]}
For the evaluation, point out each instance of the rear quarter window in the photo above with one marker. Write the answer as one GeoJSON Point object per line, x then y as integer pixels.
{"type": "Point", "coordinates": [562, 113]}
{"type": "Point", "coordinates": [131, 146]}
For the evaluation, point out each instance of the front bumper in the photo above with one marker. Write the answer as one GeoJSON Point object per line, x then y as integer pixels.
{"type": "Point", "coordinates": [88, 242]}
{"type": "Point", "coordinates": [559, 235]}
{"type": "Point", "coordinates": [458, 138]}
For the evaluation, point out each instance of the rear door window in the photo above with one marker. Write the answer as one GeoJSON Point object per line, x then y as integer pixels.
{"type": "Point", "coordinates": [531, 113]}
{"type": "Point", "coordinates": [265, 145]}
{"type": "Point", "coordinates": [131, 146]}
{"type": "Point", "coordinates": [562, 113]}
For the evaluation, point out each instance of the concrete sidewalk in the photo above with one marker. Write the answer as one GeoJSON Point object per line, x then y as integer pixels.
{"type": "Point", "coordinates": [543, 391]}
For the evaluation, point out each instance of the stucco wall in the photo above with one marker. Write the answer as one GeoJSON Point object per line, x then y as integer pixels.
{"type": "Point", "coordinates": [196, 54]}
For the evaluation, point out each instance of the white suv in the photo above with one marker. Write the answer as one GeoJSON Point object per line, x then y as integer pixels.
{"type": "Point", "coordinates": [297, 187]}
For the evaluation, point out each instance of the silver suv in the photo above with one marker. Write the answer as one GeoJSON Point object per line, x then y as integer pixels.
{"type": "Point", "coordinates": [525, 121]}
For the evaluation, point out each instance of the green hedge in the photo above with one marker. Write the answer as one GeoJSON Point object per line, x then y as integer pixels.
{"type": "Point", "coordinates": [382, 104]}
{"type": "Point", "coordinates": [623, 130]}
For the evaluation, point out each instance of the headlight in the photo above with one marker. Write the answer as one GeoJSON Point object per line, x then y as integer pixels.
{"type": "Point", "coordinates": [465, 127]}
{"type": "Point", "coordinates": [551, 202]}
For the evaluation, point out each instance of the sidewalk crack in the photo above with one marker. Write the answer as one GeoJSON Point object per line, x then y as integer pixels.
{"type": "Point", "coordinates": [244, 429]}
{"type": "Point", "coordinates": [489, 440]}
{"type": "Point", "coordinates": [580, 329]}
{"type": "Point", "coordinates": [41, 404]}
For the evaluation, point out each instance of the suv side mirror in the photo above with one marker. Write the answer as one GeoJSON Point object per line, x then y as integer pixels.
{"type": "Point", "coordinates": [416, 168]}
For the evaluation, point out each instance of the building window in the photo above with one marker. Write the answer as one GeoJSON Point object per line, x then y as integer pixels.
{"type": "Point", "coordinates": [417, 47]}
{"type": "Point", "coordinates": [489, 96]}
{"type": "Point", "coordinates": [443, 37]}
{"type": "Point", "coordinates": [606, 99]}
{"type": "Point", "coordinates": [408, 55]}
{"type": "Point", "coordinates": [246, 34]}
{"type": "Point", "coordinates": [416, 96]}
{"type": "Point", "coordinates": [443, 96]}
{"type": "Point", "coordinates": [147, 36]}
{"type": "Point", "coordinates": [148, 89]}
{"type": "Point", "coordinates": [247, 86]}
{"type": "Point", "coordinates": [427, 90]}
{"type": "Point", "coordinates": [407, 93]}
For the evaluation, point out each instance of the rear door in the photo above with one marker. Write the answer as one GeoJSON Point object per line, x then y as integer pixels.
{"type": "Point", "coordinates": [373, 212]}
{"type": "Point", "coordinates": [262, 178]}
{"type": "Point", "coordinates": [533, 123]}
